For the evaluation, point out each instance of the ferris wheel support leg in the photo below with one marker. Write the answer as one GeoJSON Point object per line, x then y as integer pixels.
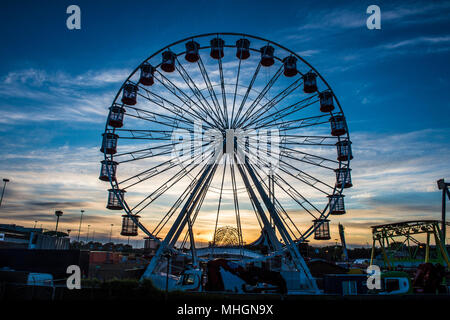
{"type": "Point", "coordinates": [187, 218]}
{"type": "Point", "coordinates": [178, 222]}
{"type": "Point", "coordinates": [272, 237]}
{"type": "Point", "coordinates": [292, 247]}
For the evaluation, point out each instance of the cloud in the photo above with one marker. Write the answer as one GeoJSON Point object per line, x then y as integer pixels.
{"type": "Point", "coordinates": [417, 12]}
{"type": "Point", "coordinates": [308, 53]}
{"type": "Point", "coordinates": [34, 95]}
{"type": "Point", "coordinates": [419, 41]}
{"type": "Point", "coordinates": [394, 12]}
{"type": "Point", "coordinates": [394, 180]}
{"type": "Point", "coordinates": [38, 77]}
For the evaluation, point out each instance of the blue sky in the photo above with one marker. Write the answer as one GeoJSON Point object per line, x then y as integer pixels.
{"type": "Point", "coordinates": [56, 85]}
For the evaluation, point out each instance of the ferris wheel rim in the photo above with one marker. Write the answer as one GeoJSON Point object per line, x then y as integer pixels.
{"type": "Point", "coordinates": [325, 213]}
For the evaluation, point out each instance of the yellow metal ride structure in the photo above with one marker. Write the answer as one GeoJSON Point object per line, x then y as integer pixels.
{"type": "Point", "coordinates": [400, 245]}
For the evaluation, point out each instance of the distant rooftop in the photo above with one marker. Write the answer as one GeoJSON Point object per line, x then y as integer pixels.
{"type": "Point", "coordinates": [14, 227]}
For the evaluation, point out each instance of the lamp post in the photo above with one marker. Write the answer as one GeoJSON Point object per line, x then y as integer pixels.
{"type": "Point", "coordinates": [110, 233]}
{"type": "Point", "coordinates": [4, 187]}
{"type": "Point", "coordinates": [167, 255]}
{"type": "Point", "coordinates": [442, 185]}
{"type": "Point", "coordinates": [58, 213]}
{"type": "Point", "coordinates": [79, 228]}
{"type": "Point", "coordinates": [87, 237]}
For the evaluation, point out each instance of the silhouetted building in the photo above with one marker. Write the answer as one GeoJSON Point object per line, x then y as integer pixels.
{"type": "Point", "coordinates": [18, 237]}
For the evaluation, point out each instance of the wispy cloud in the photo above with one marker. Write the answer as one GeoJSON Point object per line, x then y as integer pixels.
{"type": "Point", "coordinates": [393, 12]}
{"type": "Point", "coordinates": [394, 179]}
{"type": "Point", "coordinates": [34, 95]}
{"type": "Point", "coordinates": [38, 78]}
{"type": "Point", "coordinates": [419, 41]}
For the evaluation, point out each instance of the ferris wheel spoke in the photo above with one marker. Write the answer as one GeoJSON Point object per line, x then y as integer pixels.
{"type": "Point", "coordinates": [276, 204]}
{"type": "Point", "coordinates": [272, 103]}
{"type": "Point", "coordinates": [184, 98]}
{"type": "Point", "coordinates": [311, 140]}
{"type": "Point", "coordinates": [191, 205]}
{"type": "Point", "coordinates": [290, 224]}
{"type": "Point", "coordinates": [308, 141]}
{"type": "Point", "coordinates": [162, 189]}
{"type": "Point", "coordinates": [235, 90]}
{"type": "Point", "coordinates": [244, 100]}
{"type": "Point", "coordinates": [149, 173]}
{"type": "Point", "coordinates": [292, 192]}
{"type": "Point", "coordinates": [283, 112]}
{"type": "Point", "coordinates": [224, 97]}
{"type": "Point", "coordinates": [305, 177]}
{"type": "Point", "coordinates": [146, 152]}
{"type": "Point", "coordinates": [153, 117]}
{"type": "Point", "coordinates": [212, 92]}
{"type": "Point", "coordinates": [220, 200]}
{"type": "Point", "coordinates": [157, 170]}
{"type": "Point", "coordinates": [252, 195]}
{"type": "Point", "coordinates": [167, 105]}
{"type": "Point", "coordinates": [197, 210]}
{"type": "Point", "coordinates": [289, 243]}
{"type": "Point", "coordinates": [292, 154]}
{"type": "Point", "coordinates": [307, 157]}
{"type": "Point", "coordinates": [147, 134]}
{"type": "Point", "coordinates": [152, 136]}
{"type": "Point", "coordinates": [279, 207]}
{"type": "Point", "coordinates": [296, 123]}
{"type": "Point", "coordinates": [180, 222]}
{"type": "Point", "coordinates": [177, 203]}
{"type": "Point", "coordinates": [236, 204]}
{"type": "Point", "coordinates": [301, 176]}
{"type": "Point", "coordinates": [260, 96]}
{"type": "Point", "coordinates": [201, 98]}
{"type": "Point", "coordinates": [296, 196]}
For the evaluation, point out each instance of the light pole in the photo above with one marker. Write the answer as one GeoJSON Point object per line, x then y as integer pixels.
{"type": "Point", "coordinates": [35, 222]}
{"type": "Point", "coordinates": [79, 228]}
{"type": "Point", "coordinates": [58, 213]}
{"type": "Point", "coordinates": [4, 187]}
{"type": "Point", "coordinates": [168, 256]}
{"type": "Point", "coordinates": [442, 185]}
{"type": "Point", "coordinates": [87, 237]}
{"type": "Point", "coordinates": [110, 234]}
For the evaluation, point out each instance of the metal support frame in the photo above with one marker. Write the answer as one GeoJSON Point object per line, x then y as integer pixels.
{"type": "Point", "coordinates": [442, 185]}
{"type": "Point", "coordinates": [297, 259]}
{"type": "Point", "coordinates": [3, 191]}
{"type": "Point", "coordinates": [383, 233]}
{"type": "Point", "coordinates": [181, 221]}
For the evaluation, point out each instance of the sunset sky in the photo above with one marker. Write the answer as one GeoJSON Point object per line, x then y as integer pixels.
{"type": "Point", "coordinates": [56, 86]}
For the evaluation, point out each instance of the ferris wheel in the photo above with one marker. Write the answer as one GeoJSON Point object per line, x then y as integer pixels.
{"type": "Point", "coordinates": [226, 129]}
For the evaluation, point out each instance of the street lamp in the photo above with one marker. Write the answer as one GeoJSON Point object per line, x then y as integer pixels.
{"type": "Point", "coordinates": [79, 228]}
{"type": "Point", "coordinates": [442, 185]}
{"type": "Point", "coordinates": [58, 213]}
{"type": "Point", "coordinates": [168, 256]}
{"type": "Point", "coordinates": [110, 234]}
{"type": "Point", "coordinates": [87, 237]}
{"type": "Point", "coordinates": [4, 187]}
